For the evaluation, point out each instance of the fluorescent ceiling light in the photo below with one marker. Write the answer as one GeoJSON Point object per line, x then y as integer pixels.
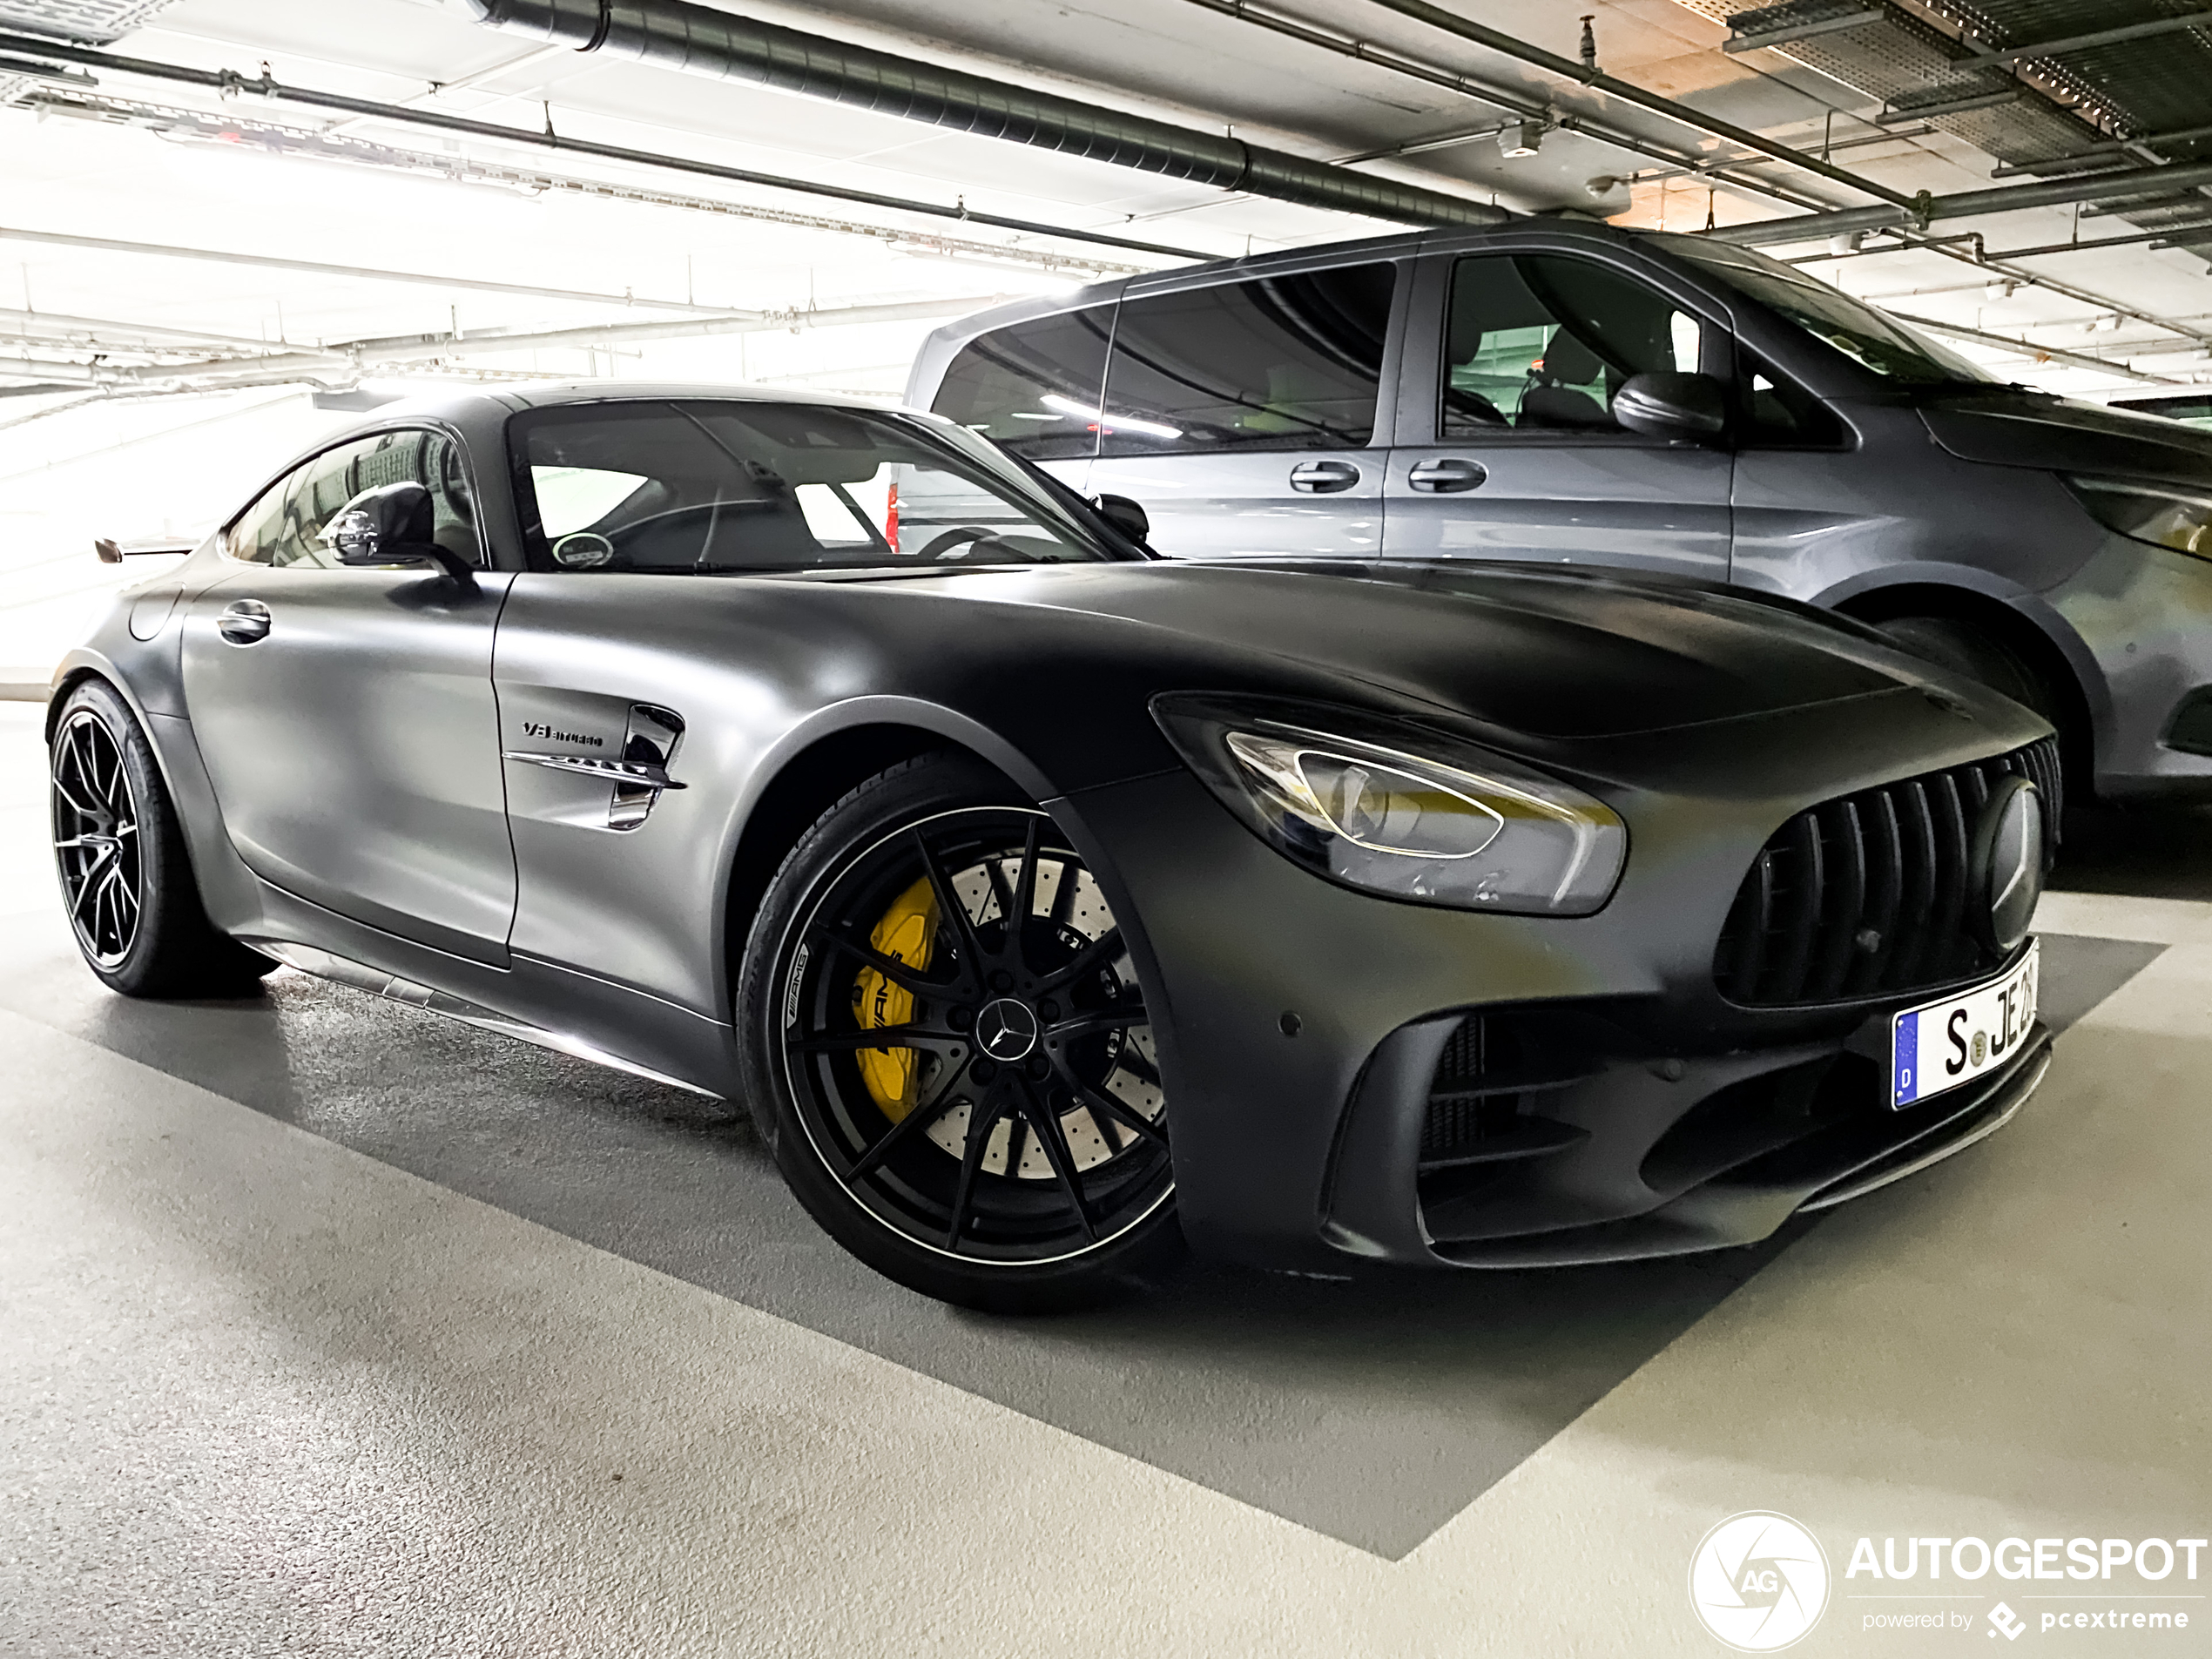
{"type": "Point", "coordinates": [1113, 422]}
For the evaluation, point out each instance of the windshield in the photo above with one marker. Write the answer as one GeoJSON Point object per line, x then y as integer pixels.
{"type": "Point", "coordinates": [1867, 336]}
{"type": "Point", "coordinates": [703, 487]}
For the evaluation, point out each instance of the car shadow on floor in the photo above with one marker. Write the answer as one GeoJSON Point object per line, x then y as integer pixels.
{"type": "Point", "coordinates": [2144, 852]}
{"type": "Point", "coordinates": [1372, 1410]}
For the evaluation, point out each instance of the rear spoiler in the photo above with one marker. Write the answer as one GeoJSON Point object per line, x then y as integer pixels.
{"type": "Point", "coordinates": [115, 552]}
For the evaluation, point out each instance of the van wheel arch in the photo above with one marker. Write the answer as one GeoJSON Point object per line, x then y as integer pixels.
{"type": "Point", "coordinates": [1990, 640]}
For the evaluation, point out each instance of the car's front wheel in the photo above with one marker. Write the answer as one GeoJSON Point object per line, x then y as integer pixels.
{"type": "Point", "coordinates": [127, 879]}
{"type": "Point", "coordinates": [947, 1037]}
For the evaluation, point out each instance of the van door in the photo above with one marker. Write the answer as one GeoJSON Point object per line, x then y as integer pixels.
{"type": "Point", "coordinates": [1508, 449]}
{"type": "Point", "coordinates": [1246, 417]}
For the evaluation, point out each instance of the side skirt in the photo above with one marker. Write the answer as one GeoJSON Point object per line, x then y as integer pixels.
{"type": "Point", "coordinates": [342, 970]}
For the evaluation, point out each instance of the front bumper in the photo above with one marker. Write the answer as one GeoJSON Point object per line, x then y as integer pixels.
{"type": "Point", "coordinates": [1633, 1157]}
{"type": "Point", "coordinates": [1301, 1026]}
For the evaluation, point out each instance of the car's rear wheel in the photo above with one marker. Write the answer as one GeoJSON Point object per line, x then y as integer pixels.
{"type": "Point", "coordinates": [1009, 1150]}
{"type": "Point", "coordinates": [127, 879]}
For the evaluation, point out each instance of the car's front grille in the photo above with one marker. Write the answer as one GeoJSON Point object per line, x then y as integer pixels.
{"type": "Point", "coordinates": [1867, 895]}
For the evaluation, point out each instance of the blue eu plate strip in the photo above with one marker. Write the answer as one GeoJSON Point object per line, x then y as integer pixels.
{"type": "Point", "coordinates": [1904, 1044]}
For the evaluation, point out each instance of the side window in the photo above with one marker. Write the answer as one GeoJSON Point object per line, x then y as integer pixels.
{"type": "Point", "coordinates": [713, 487]}
{"type": "Point", "coordinates": [1288, 362]}
{"type": "Point", "coordinates": [1779, 415]}
{"type": "Point", "coordinates": [1034, 386]}
{"type": "Point", "coordinates": [285, 526]}
{"type": "Point", "coordinates": [1535, 343]}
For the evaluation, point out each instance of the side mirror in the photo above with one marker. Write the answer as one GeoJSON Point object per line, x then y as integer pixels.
{"type": "Point", "coordinates": [393, 524]}
{"type": "Point", "coordinates": [1672, 406]}
{"type": "Point", "coordinates": [1124, 514]}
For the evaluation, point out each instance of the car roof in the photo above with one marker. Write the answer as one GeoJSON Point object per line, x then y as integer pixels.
{"type": "Point", "coordinates": [457, 406]}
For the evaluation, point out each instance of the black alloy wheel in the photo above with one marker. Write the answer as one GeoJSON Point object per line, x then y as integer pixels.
{"type": "Point", "coordinates": [127, 879]}
{"type": "Point", "coordinates": [95, 838]}
{"type": "Point", "coordinates": [967, 1092]}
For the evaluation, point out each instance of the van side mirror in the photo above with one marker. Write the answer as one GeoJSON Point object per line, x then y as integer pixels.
{"type": "Point", "coordinates": [393, 524]}
{"type": "Point", "coordinates": [1672, 406]}
{"type": "Point", "coordinates": [1124, 514]}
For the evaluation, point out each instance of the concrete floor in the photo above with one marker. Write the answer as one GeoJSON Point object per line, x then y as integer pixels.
{"type": "Point", "coordinates": [331, 1328]}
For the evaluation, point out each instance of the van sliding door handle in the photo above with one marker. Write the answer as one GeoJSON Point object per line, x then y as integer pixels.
{"type": "Point", "coordinates": [1446, 477]}
{"type": "Point", "coordinates": [1323, 477]}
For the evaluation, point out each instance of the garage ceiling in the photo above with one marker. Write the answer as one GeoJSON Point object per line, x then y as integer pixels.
{"type": "Point", "coordinates": [553, 242]}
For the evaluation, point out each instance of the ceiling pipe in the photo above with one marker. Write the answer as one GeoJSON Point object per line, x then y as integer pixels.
{"type": "Point", "coordinates": [2040, 354]}
{"type": "Point", "coordinates": [1927, 210]}
{"type": "Point", "coordinates": [342, 361]}
{"type": "Point", "coordinates": [1520, 106]}
{"type": "Point", "coordinates": [1597, 81]}
{"type": "Point", "coordinates": [351, 272]}
{"type": "Point", "coordinates": [229, 83]}
{"type": "Point", "coordinates": [700, 40]}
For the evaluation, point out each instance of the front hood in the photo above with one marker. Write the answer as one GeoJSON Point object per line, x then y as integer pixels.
{"type": "Point", "coordinates": [2012, 429]}
{"type": "Point", "coordinates": [1551, 653]}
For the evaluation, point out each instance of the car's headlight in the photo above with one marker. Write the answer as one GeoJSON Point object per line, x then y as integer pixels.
{"type": "Point", "coordinates": [1400, 812]}
{"type": "Point", "coordinates": [2163, 515]}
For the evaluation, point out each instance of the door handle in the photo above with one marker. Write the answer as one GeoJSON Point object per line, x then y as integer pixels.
{"type": "Point", "coordinates": [1448, 477]}
{"type": "Point", "coordinates": [1323, 477]}
{"type": "Point", "coordinates": [244, 622]}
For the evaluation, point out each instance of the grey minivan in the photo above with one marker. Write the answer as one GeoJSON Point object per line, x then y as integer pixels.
{"type": "Point", "coordinates": [1559, 390]}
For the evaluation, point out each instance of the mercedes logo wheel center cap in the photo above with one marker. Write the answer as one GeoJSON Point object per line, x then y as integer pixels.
{"type": "Point", "coordinates": [1006, 1029]}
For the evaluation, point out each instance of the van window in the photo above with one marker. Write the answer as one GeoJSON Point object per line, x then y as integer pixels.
{"type": "Point", "coordinates": [1542, 343]}
{"type": "Point", "coordinates": [1032, 386]}
{"type": "Point", "coordinates": [1872, 339]}
{"type": "Point", "coordinates": [1777, 414]}
{"type": "Point", "coordinates": [1287, 362]}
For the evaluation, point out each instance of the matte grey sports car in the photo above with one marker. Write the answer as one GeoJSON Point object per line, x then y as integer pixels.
{"type": "Point", "coordinates": [1049, 903]}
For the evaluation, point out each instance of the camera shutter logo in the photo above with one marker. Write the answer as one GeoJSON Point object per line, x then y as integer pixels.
{"type": "Point", "coordinates": [1759, 1581]}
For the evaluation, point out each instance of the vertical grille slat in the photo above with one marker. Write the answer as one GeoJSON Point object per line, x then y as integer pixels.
{"type": "Point", "coordinates": [1801, 922]}
{"type": "Point", "coordinates": [1843, 896]}
{"type": "Point", "coordinates": [1885, 891]}
{"type": "Point", "coordinates": [1950, 877]}
{"type": "Point", "coordinates": [1919, 885]}
{"type": "Point", "coordinates": [1867, 894]}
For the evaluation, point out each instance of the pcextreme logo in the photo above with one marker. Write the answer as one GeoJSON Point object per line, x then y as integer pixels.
{"type": "Point", "coordinates": [1759, 1581]}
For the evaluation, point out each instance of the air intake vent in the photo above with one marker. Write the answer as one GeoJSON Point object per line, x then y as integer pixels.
{"type": "Point", "coordinates": [1484, 1101]}
{"type": "Point", "coordinates": [1866, 896]}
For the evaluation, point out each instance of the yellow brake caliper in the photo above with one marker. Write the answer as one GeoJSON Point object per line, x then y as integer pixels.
{"type": "Point", "coordinates": [904, 934]}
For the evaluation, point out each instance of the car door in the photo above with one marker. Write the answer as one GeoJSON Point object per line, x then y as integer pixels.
{"type": "Point", "coordinates": [668, 631]}
{"type": "Point", "coordinates": [346, 715]}
{"type": "Point", "coordinates": [1246, 418]}
{"type": "Point", "coordinates": [1507, 447]}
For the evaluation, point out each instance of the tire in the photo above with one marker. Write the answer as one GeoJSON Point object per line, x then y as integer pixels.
{"type": "Point", "coordinates": [127, 879]}
{"type": "Point", "coordinates": [1014, 1157]}
{"type": "Point", "coordinates": [1966, 649]}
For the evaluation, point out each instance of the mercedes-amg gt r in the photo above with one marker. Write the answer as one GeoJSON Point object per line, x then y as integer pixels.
{"type": "Point", "coordinates": [1049, 903]}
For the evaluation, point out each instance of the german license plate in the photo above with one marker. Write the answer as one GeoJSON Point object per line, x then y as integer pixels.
{"type": "Point", "coordinates": [1940, 1045]}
